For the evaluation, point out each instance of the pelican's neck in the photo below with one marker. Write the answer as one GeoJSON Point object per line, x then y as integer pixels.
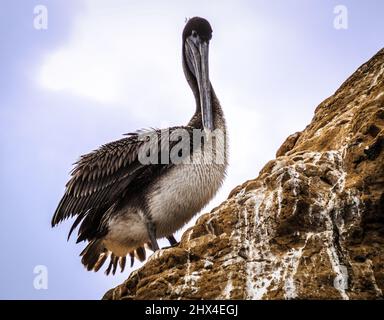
{"type": "Point", "coordinates": [218, 116]}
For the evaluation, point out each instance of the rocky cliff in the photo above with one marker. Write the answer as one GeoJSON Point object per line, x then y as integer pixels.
{"type": "Point", "coordinates": [310, 226]}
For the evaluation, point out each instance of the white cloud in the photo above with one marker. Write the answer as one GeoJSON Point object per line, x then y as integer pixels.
{"type": "Point", "coordinates": [88, 76]}
{"type": "Point", "coordinates": [116, 58]}
{"type": "Point", "coordinates": [122, 53]}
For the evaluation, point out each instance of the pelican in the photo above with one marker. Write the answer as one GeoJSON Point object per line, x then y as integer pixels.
{"type": "Point", "coordinates": [123, 204]}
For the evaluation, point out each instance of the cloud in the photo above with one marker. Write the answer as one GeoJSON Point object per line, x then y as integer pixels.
{"type": "Point", "coordinates": [90, 76]}
{"type": "Point", "coordinates": [125, 54]}
{"type": "Point", "coordinates": [115, 58]}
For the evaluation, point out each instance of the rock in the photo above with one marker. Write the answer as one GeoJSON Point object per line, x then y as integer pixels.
{"type": "Point", "coordinates": [288, 144]}
{"type": "Point", "coordinates": [311, 226]}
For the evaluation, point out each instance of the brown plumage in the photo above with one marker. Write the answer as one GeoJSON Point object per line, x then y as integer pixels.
{"type": "Point", "coordinates": [121, 204]}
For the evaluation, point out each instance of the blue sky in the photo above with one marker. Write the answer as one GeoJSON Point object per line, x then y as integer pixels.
{"type": "Point", "coordinates": [104, 68]}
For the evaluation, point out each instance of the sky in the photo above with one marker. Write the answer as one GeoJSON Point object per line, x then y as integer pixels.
{"type": "Point", "coordinates": [103, 68]}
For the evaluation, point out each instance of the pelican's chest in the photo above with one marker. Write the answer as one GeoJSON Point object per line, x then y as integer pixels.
{"type": "Point", "coordinates": [182, 192]}
{"type": "Point", "coordinates": [185, 188]}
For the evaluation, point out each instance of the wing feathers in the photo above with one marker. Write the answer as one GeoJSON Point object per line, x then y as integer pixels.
{"type": "Point", "coordinates": [96, 178]}
{"type": "Point", "coordinates": [102, 177]}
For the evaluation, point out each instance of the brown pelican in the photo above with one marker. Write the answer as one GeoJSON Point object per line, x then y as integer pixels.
{"type": "Point", "coordinates": [121, 203]}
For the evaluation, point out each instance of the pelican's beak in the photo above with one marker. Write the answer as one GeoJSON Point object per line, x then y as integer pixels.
{"type": "Point", "coordinates": [197, 55]}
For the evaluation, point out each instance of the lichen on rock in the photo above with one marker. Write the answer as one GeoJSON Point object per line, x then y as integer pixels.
{"type": "Point", "coordinates": [310, 226]}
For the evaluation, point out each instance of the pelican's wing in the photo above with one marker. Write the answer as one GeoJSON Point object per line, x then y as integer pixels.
{"type": "Point", "coordinates": [99, 177]}
{"type": "Point", "coordinates": [103, 176]}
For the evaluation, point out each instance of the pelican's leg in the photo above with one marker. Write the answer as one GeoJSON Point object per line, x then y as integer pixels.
{"type": "Point", "coordinates": [152, 235]}
{"type": "Point", "coordinates": [172, 240]}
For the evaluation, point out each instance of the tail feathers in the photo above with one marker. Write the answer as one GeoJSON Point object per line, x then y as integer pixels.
{"type": "Point", "coordinates": [95, 254]}
{"type": "Point", "coordinates": [140, 254]}
{"type": "Point", "coordinates": [112, 265]}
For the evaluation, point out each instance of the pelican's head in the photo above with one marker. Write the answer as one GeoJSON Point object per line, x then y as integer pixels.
{"type": "Point", "coordinates": [196, 36]}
